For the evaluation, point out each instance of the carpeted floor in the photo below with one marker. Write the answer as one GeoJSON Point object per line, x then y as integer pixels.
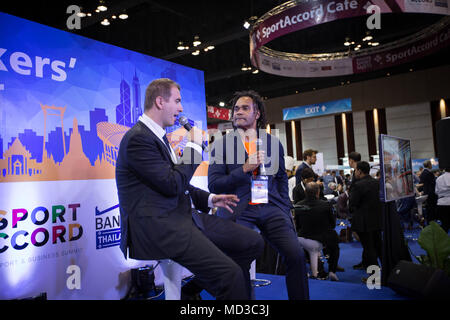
{"type": "Point", "coordinates": [349, 286]}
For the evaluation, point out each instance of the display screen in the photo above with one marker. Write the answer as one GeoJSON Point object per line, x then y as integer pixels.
{"type": "Point", "coordinates": [396, 168]}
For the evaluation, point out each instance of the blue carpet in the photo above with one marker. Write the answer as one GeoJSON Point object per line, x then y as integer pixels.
{"type": "Point", "coordinates": [350, 286]}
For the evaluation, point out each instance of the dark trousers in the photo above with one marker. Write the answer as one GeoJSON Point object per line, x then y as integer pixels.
{"type": "Point", "coordinates": [443, 213]}
{"type": "Point", "coordinates": [371, 243]}
{"type": "Point", "coordinates": [221, 263]}
{"type": "Point", "coordinates": [330, 241]}
{"type": "Point", "coordinates": [277, 228]}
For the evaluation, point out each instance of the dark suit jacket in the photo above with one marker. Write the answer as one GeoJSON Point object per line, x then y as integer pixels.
{"type": "Point", "coordinates": [298, 173]}
{"type": "Point", "coordinates": [155, 196]}
{"type": "Point", "coordinates": [365, 205]}
{"type": "Point", "coordinates": [225, 174]}
{"type": "Point", "coordinates": [429, 185]}
{"type": "Point", "coordinates": [313, 218]}
{"type": "Point", "coordinates": [298, 194]}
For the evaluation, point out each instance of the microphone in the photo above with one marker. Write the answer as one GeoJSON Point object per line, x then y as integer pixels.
{"type": "Point", "coordinates": [185, 123]}
{"type": "Point", "coordinates": [262, 167]}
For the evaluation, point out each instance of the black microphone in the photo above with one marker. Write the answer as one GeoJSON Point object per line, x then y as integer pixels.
{"type": "Point", "coordinates": [185, 123]}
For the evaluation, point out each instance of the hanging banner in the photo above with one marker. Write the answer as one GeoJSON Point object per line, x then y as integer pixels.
{"type": "Point", "coordinates": [294, 16]}
{"type": "Point", "coordinates": [219, 113]}
{"type": "Point", "coordinates": [65, 103]}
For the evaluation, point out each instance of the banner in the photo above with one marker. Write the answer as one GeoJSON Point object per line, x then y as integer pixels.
{"type": "Point", "coordinates": [66, 101]}
{"type": "Point", "coordinates": [307, 14]}
{"type": "Point", "coordinates": [295, 16]}
{"type": "Point", "coordinates": [316, 110]}
{"type": "Point", "coordinates": [219, 113]}
{"type": "Point", "coordinates": [418, 163]}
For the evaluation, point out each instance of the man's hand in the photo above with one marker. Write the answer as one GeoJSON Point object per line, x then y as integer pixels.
{"type": "Point", "coordinates": [253, 161]}
{"type": "Point", "coordinates": [196, 135]}
{"type": "Point", "coordinates": [225, 201]}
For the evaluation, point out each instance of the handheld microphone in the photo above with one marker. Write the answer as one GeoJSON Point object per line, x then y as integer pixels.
{"type": "Point", "coordinates": [262, 167]}
{"type": "Point", "coordinates": [185, 123]}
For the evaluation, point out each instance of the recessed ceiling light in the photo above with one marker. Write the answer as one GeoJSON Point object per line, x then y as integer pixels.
{"type": "Point", "coordinates": [123, 16]}
{"type": "Point", "coordinates": [197, 41]}
{"type": "Point", "coordinates": [105, 22]}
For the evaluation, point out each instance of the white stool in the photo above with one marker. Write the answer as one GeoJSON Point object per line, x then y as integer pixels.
{"type": "Point", "coordinates": [172, 279]}
{"type": "Point", "coordinates": [257, 282]}
{"type": "Point", "coordinates": [314, 248]}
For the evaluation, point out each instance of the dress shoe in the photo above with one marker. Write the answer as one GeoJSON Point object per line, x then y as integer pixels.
{"type": "Point", "coordinates": [332, 276]}
{"type": "Point", "coordinates": [358, 266]}
{"type": "Point", "coordinates": [195, 296]}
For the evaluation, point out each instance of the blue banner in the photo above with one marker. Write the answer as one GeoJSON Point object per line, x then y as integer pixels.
{"type": "Point", "coordinates": [319, 109]}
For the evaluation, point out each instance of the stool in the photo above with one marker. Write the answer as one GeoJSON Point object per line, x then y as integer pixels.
{"type": "Point", "coordinates": [172, 279]}
{"type": "Point", "coordinates": [314, 248]}
{"type": "Point", "coordinates": [257, 282]}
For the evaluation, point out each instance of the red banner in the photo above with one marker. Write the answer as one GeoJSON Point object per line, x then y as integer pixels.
{"type": "Point", "coordinates": [219, 113]}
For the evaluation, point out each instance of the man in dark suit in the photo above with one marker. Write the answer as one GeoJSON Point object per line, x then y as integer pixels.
{"type": "Point", "coordinates": [237, 159]}
{"type": "Point", "coordinates": [155, 203]}
{"type": "Point", "coordinates": [365, 205]}
{"type": "Point", "coordinates": [428, 182]}
{"type": "Point", "coordinates": [309, 159]}
{"type": "Point", "coordinates": [315, 220]}
{"type": "Point", "coordinates": [308, 176]}
{"type": "Point", "coordinates": [353, 158]}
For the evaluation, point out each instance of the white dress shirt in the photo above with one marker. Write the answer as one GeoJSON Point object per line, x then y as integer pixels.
{"type": "Point", "coordinates": [160, 133]}
{"type": "Point", "coordinates": [443, 189]}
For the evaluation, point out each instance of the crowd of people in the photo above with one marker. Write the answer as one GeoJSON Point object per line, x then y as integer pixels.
{"type": "Point", "coordinates": [255, 201]}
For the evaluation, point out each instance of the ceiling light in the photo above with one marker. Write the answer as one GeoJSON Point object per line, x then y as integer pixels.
{"type": "Point", "coordinates": [374, 44]}
{"type": "Point", "coordinates": [180, 46]}
{"type": "Point", "coordinates": [222, 104]}
{"type": "Point", "coordinates": [123, 16]}
{"type": "Point", "coordinates": [211, 47]}
{"type": "Point", "coordinates": [96, 10]}
{"type": "Point", "coordinates": [101, 6]}
{"type": "Point", "coordinates": [89, 14]}
{"type": "Point", "coordinates": [196, 53]}
{"type": "Point", "coordinates": [114, 17]}
{"type": "Point", "coordinates": [346, 43]}
{"type": "Point", "coordinates": [244, 67]}
{"type": "Point", "coordinates": [197, 41]}
{"type": "Point", "coordinates": [368, 38]}
{"type": "Point", "coordinates": [357, 48]}
{"type": "Point", "coordinates": [205, 49]}
{"type": "Point", "coordinates": [255, 71]}
{"type": "Point", "coordinates": [81, 14]}
{"type": "Point", "coordinates": [246, 24]}
{"type": "Point", "coordinates": [105, 22]}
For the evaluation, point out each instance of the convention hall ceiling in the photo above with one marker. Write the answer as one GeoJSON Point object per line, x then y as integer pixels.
{"type": "Point", "coordinates": [156, 27]}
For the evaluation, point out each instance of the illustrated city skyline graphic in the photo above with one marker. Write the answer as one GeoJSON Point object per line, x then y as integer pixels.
{"type": "Point", "coordinates": [80, 153]}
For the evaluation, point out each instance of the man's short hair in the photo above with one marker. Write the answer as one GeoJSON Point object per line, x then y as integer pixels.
{"type": "Point", "coordinates": [363, 166]}
{"type": "Point", "coordinates": [158, 88]}
{"type": "Point", "coordinates": [308, 153]}
{"type": "Point", "coordinates": [355, 156]}
{"type": "Point", "coordinates": [307, 173]}
{"type": "Point", "coordinates": [311, 190]}
{"type": "Point", "coordinates": [257, 102]}
{"type": "Point", "coordinates": [427, 164]}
